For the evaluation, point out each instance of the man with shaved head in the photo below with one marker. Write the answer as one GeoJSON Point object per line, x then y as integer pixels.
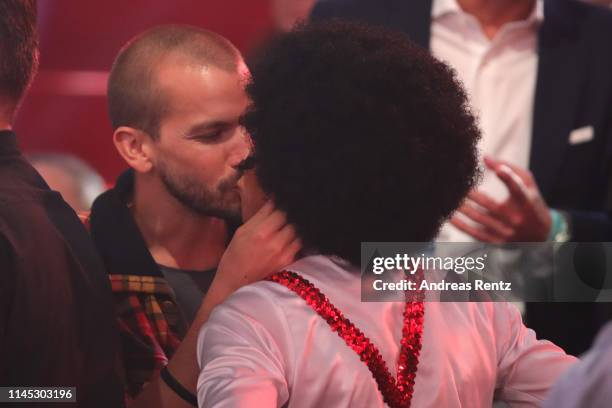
{"type": "Point", "coordinates": [175, 96]}
{"type": "Point", "coordinates": [193, 79]}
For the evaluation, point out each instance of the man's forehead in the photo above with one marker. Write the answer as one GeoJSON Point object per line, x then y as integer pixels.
{"type": "Point", "coordinates": [191, 84]}
{"type": "Point", "coordinates": [203, 97]}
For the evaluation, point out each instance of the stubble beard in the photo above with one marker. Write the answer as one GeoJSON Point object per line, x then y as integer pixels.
{"type": "Point", "coordinates": [222, 202]}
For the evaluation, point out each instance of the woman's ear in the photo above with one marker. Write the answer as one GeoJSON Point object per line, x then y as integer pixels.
{"type": "Point", "coordinates": [134, 146]}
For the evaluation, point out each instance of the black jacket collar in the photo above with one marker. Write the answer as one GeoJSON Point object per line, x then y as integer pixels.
{"type": "Point", "coordinates": [117, 236]}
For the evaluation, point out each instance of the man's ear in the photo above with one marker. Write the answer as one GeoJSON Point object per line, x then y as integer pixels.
{"type": "Point", "coordinates": [135, 147]}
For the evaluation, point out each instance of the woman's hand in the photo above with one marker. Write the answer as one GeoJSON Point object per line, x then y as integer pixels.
{"type": "Point", "coordinates": [263, 245]}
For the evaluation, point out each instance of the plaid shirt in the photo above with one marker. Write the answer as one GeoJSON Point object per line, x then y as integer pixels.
{"type": "Point", "coordinates": [147, 313]}
{"type": "Point", "coordinates": [150, 322]}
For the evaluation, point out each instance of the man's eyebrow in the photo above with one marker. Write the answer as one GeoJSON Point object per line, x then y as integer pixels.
{"type": "Point", "coordinates": [204, 127]}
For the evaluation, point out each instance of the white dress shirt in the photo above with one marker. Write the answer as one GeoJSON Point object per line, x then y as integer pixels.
{"type": "Point", "coordinates": [499, 76]}
{"type": "Point", "coordinates": [265, 347]}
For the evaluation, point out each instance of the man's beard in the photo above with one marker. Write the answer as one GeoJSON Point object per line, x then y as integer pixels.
{"type": "Point", "coordinates": [222, 202]}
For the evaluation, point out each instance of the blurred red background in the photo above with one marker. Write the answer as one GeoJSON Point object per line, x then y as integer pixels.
{"type": "Point", "coordinates": [65, 110]}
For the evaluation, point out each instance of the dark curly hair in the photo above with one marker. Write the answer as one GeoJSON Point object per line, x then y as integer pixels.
{"type": "Point", "coordinates": [359, 136]}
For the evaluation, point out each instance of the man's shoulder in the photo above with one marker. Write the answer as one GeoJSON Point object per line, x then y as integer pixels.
{"type": "Point", "coordinates": [262, 304]}
{"type": "Point", "coordinates": [317, 270]}
{"type": "Point", "coordinates": [38, 215]}
{"type": "Point", "coordinates": [256, 297]}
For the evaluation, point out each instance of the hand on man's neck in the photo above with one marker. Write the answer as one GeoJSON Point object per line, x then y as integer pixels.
{"type": "Point", "coordinates": [176, 236]}
{"type": "Point", "coordinates": [493, 14]}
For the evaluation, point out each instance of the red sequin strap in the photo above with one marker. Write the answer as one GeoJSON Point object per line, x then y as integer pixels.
{"type": "Point", "coordinates": [396, 393]}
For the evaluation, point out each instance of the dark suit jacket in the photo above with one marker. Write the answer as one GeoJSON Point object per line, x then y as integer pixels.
{"type": "Point", "coordinates": [573, 90]}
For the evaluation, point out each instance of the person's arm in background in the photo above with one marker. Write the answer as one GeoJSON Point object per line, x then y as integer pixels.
{"type": "Point", "coordinates": [263, 245]}
{"type": "Point", "coordinates": [527, 367]}
{"type": "Point", "coordinates": [524, 216]}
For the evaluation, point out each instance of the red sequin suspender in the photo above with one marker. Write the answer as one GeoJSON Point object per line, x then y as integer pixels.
{"type": "Point", "coordinates": [396, 393]}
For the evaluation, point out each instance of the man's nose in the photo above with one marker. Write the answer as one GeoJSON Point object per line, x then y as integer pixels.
{"type": "Point", "coordinates": [241, 148]}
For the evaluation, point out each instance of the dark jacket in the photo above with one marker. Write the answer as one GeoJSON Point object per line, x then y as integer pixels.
{"type": "Point", "coordinates": [56, 319]}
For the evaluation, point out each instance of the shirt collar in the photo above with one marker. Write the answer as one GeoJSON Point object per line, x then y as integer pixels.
{"type": "Point", "coordinates": [116, 235]}
{"type": "Point", "coordinates": [442, 7]}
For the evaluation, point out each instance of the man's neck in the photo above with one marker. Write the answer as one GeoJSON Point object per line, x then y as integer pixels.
{"type": "Point", "coordinates": [176, 236]}
{"type": "Point", "coordinates": [493, 14]}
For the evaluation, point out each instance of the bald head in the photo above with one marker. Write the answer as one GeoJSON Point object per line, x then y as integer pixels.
{"type": "Point", "coordinates": [135, 98]}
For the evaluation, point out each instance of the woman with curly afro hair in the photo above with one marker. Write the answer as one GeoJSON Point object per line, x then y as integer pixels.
{"type": "Point", "coordinates": [360, 136]}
